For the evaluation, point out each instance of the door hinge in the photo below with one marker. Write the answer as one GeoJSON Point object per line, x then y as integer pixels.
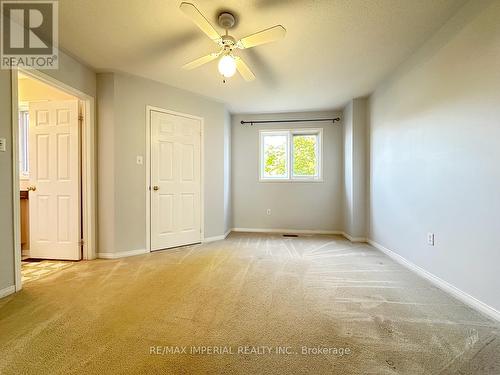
{"type": "Point", "coordinates": [82, 242]}
{"type": "Point", "coordinates": [80, 118]}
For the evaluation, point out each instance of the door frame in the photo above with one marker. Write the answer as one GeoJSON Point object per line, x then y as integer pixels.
{"type": "Point", "coordinates": [88, 170]}
{"type": "Point", "coordinates": [149, 109]}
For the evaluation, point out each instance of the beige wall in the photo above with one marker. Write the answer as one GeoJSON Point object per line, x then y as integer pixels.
{"type": "Point", "coordinates": [435, 154]}
{"type": "Point", "coordinates": [294, 205]}
{"type": "Point", "coordinates": [33, 90]}
{"type": "Point", "coordinates": [70, 72]}
{"type": "Point", "coordinates": [122, 101]}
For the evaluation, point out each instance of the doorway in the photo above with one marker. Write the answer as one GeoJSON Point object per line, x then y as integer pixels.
{"type": "Point", "coordinates": [174, 179]}
{"type": "Point", "coordinates": [50, 173]}
{"type": "Point", "coordinates": [53, 152]}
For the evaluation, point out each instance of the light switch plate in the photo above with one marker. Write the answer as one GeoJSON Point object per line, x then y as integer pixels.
{"type": "Point", "coordinates": [3, 144]}
{"type": "Point", "coordinates": [430, 239]}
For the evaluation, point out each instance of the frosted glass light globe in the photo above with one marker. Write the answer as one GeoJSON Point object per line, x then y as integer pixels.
{"type": "Point", "coordinates": [227, 66]}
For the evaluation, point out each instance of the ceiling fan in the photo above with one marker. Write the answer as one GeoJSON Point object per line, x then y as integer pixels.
{"type": "Point", "coordinates": [228, 62]}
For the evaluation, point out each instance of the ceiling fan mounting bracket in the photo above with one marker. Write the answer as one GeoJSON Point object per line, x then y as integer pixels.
{"type": "Point", "coordinates": [226, 20]}
{"type": "Point", "coordinates": [227, 42]}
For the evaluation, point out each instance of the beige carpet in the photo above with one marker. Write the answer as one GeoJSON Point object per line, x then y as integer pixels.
{"type": "Point", "coordinates": [247, 296]}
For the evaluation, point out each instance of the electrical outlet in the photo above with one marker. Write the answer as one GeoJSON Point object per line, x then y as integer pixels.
{"type": "Point", "coordinates": [430, 239]}
{"type": "Point", "coordinates": [268, 211]}
{"type": "Point", "coordinates": [3, 144]}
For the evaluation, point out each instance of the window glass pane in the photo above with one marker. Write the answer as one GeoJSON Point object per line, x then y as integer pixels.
{"type": "Point", "coordinates": [305, 155]}
{"type": "Point", "coordinates": [275, 148]}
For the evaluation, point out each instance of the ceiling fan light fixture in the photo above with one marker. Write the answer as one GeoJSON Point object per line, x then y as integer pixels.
{"type": "Point", "coordinates": [227, 66]}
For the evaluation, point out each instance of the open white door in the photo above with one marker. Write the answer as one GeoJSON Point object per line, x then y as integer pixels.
{"type": "Point", "coordinates": [175, 180]}
{"type": "Point", "coordinates": [54, 169]}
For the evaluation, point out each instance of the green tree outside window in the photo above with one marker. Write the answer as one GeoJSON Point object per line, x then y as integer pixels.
{"type": "Point", "coordinates": [275, 160]}
{"type": "Point", "coordinates": [291, 154]}
{"type": "Point", "coordinates": [304, 155]}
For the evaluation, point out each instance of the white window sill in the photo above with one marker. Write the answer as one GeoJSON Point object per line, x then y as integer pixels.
{"type": "Point", "coordinates": [298, 180]}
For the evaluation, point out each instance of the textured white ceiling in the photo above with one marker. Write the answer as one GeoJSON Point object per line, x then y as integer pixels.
{"type": "Point", "coordinates": [334, 50]}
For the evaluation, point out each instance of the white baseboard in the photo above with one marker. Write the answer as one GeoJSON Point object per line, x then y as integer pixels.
{"type": "Point", "coordinates": [440, 283]}
{"type": "Point", "coordinates": [354, 239]}
{"type": "Point", "coordinates": [122, 254]}
{"type": "Point", "coordinates": [290, 231]}
{"type": "Point", "coordinates": [301, 231]}
{"type": "Point", "coordinates": [217, 238]}
{"type": "Point", "coordinates": [6, 291]}
{"type": "Point", "coordinates": [212, 239]}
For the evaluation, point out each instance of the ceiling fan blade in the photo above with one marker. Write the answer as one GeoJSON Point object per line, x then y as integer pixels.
{"type": "Point", "coordinates": [195, 15]}
{"type": "Point", "coordinates": [262, 37]}
{"type": "Point", "coordinates": [200, 61]}
{"type": "Point", "coordinates": [244, 70]}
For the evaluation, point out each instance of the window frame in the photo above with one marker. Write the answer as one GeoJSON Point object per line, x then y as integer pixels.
{"type": "Point", "coordinates": [318, 132]}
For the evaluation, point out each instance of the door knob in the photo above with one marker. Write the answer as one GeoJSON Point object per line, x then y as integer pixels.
{"type": "Point", "coordinates": [155, 188]}
{"type": "Point", "coordinates": [31, 188]}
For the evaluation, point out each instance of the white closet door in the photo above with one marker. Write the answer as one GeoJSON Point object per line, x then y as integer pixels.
{"type": "Point", "coordinates": [175, 180]}
{"type": "Point", "coordinates": [54, 169]}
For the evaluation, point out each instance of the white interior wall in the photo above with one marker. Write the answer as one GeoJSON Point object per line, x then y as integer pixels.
{"type": "Point", "coordinates": [294, 205]}
{"type": "Point", "coordinates": [228, 210]}
{"type": "Point", "coordinates": [433, 165]}
{"type": "Point", "coordinates": [6, 223]}
{"type": "Point", "coordinates": [70, 72]}
{"type": "Point", "coordinates": [355, 134]}
{"type": "Point", "coordinates": [122, 101]}
{"type": "Point", "coordinates": [347, 188]}
{"type": "Point", "coordinates": [435, 152]}
{"type": "Point", "coordinates": [106, 162]}
{"type": "Point", "coordinates": [359, 156]}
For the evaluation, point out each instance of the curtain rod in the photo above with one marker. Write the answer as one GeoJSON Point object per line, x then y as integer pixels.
{"type": "Point", "coordinates": [296, 120]}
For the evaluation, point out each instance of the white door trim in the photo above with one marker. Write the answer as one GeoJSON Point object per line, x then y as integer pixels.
{"type": "Point", "coordinates": [149, 109]}
{"type": "Point", "coordinates": [88, 167]}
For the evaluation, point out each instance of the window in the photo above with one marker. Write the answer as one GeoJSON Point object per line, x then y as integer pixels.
{"type": "Point", "coordinates": [290, 155]}
{"type": "Point", "coordinates": [23, 143]}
